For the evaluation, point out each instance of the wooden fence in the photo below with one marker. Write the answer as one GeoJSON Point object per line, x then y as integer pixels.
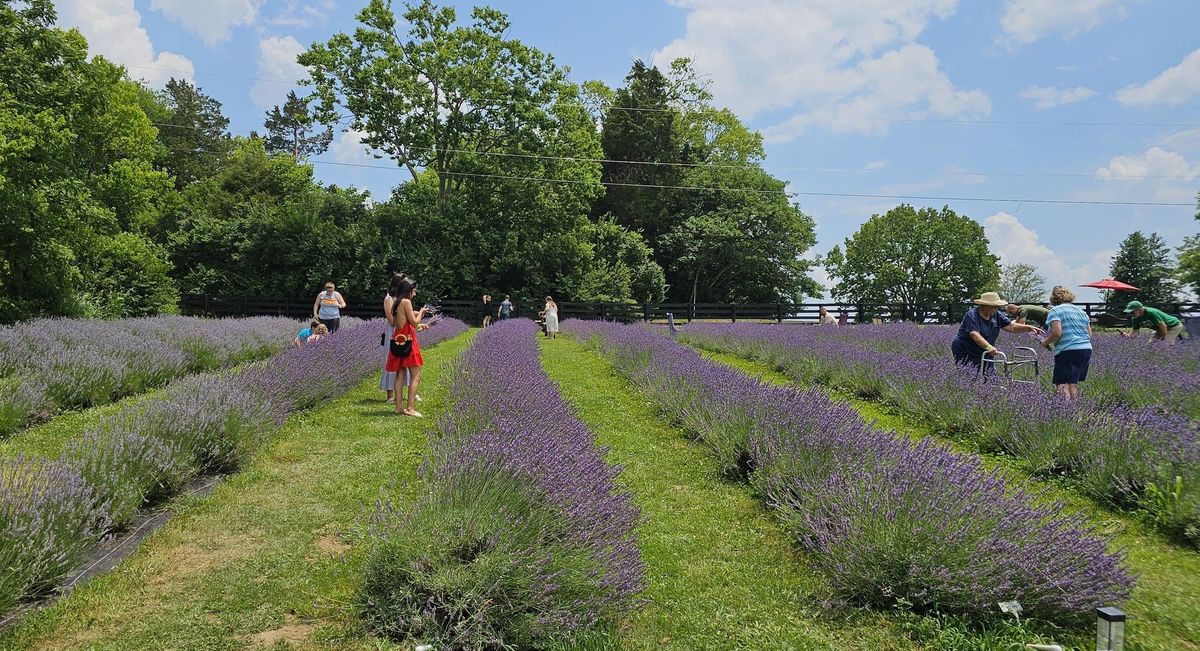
{"type": "Point", "coordinates": [472, 311]}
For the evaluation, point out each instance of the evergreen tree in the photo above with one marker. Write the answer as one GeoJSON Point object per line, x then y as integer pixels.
{"type": "Point", "coordinates": [293, 130]}
{"type": "Point", "coordinates": [1146, 263]}
{"type": "Point", "coordinates": [195, 133]}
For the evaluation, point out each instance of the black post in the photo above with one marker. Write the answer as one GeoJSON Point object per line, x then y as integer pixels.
{"type": "Point", "coordinates": [645, 311]}
{"type": "Point", "coordinates": [733, 312]}
{"type": "Point", "coordinates": [779, 313]}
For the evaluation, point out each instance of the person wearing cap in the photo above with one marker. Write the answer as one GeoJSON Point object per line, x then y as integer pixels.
{"type": "Point", "coordinates": [1166, 327]}
{"type": "Point", "coordinates": [980, 327]}
{"type": "Point", "coordinates": [1027, 313]}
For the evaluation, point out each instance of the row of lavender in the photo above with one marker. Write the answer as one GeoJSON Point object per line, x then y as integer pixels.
{"type": "Point", "coordinates": [888, 520]}
{"type": "Point", "coordinates": [1130, 372]}
{"type": "Point", "coordinates": [53, 511]}
{"type": "Point", "coordinates": [1144, 459]}
{"type": "Point", "coordinates": [49, 365]}
{"type": "Point", "coordinates": [521, 537]}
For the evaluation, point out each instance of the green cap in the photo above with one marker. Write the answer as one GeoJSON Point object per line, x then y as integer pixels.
{"type": "Point", "coordinates": [1133, 305]}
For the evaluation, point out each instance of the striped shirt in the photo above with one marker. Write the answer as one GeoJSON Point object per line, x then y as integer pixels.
{"type": "Point", "coordinates": [1074, 328]}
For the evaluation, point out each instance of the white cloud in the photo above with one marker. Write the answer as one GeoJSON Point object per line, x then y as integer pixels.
{"type": "Point", "coordinates": [303, 14]}
{"type": "Point", "coordinates": [1048, 97]}
{"type": "Point", "coordinates": [114, 30]}
{"type": "Point", "coordinates": [1186, 140]}
{"type": "Point", "coordinates": [1026, 21]}
{"type": "Point", "coordinates": [1015, 242]}
{"type": "Point", "coordinates": [212, 20]}
{"type": "Point", "coordinates": [1174, 86]}
{"type": "Point", "coordinates": [277, 70]}
{"type": "Point", "coordinates": [876, 165]}
{"type": "Point", "coordinates": [836, 65]}
{"type": "Point", "coordinates": [349, 148]}
{"type": "Point", "coordinates": [1155, 162]}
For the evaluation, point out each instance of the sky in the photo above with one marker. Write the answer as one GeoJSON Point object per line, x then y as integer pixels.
{"type": "Point", "coordinates": [1034, 100]}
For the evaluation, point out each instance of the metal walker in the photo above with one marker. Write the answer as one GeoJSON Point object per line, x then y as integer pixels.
{"type": "Point", "coordinates": [1022, 356]}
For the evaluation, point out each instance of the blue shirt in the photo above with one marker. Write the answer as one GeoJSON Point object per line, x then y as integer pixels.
{"type": "Point", "coordinates": [989, 328]}
{"type": "Point", "coordinates": [305, 334]}
{"type": "Point", "coordinates": [1074, 328]}
{"type": "Point", "coordinates": [506, 308]}
{"type": "Point", "coordinates": [328, 307]}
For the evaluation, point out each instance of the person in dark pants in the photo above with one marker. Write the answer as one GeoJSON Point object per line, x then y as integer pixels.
{"type": "Point", "coordinates": [1071, 340]}
{"type": "Point", "coordinates": [980, 328]}
{"type": "Point", "coordinates": [328, 307]}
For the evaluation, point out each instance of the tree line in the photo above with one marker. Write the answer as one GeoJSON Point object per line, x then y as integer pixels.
{"type": "Point", "coordinates": [118, 198]}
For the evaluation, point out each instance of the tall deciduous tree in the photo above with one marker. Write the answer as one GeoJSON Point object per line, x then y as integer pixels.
{"type": "Point", "coordinates": [1146, 263]}
{"type": "Point", "coordinates": [77, 183]}
{"type": "Point", "coordinates": [1021, 283]}
{"type": "Point", "coordinates": [921, 258]}
{"type": "Point", "coordinates": [292, 129]}
{"type": "Point", "coordinates": [432, 94]}
{"type": "Point", "coordinates": [1189, 263]}
{"type": "Point", "coordinates": [195, 133]}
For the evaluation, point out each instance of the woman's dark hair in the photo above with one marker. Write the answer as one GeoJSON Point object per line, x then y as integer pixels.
{"type": "Point", "coordinates": [394, 287]}
{"type": "Point", "coordinates": [403, 291]}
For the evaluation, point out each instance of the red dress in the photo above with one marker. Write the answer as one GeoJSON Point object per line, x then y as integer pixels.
{"type": "Point", "coordinates": [413, 359]}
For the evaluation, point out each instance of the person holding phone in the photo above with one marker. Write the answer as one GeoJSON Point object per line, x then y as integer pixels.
{"type": "Point", "coordinates": [328, 307]}
{"type": "Point", "coordinates": [404, 351]}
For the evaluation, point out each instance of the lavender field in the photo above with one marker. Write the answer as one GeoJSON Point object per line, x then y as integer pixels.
{"type": "Point", "coordinates": [521, 537]}
{"type": "Point", "coordinates": [53, 510]}
{"type": "Point", "coordinates": [888, 520]}
{"type": "Point", "coordinates": [51, 365]}
{"type": "Point", "coordinates": [1132, 442]}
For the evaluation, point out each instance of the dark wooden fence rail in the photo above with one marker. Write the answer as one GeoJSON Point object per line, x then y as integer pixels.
{"type": "Point", "coordinates": [472, 311]}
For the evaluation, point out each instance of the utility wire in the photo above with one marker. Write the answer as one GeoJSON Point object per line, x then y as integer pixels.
{"type": "Point", "coordinates": [828, 170]}
{"type": "Point", "coordinates": [864, 118]}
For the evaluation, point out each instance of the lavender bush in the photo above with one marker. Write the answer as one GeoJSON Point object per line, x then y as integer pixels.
{"type": "Point", "coordinates": [891, 522]}
{"type": "Point", "coordinates": [55, 364]}
{"type": "Point", "coordinates": [1116, 450]}
{"type": "Point", "coordinates": [522, 537]}
{"type": "Point", "coordinates": [51, 511]}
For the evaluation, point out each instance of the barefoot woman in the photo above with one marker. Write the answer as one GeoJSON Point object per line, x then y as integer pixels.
{"type": "Point", "coordinates": [404, 353]}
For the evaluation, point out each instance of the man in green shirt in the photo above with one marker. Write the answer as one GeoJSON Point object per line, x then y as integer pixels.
{"type": "Point", "coordinates": [1027, 313]}
{"type": "Point", "coordinates": [1166, 327]}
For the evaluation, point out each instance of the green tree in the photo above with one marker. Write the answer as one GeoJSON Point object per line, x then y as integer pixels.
{"type": "Point", "coordinates": [75, 171]}
{"type": "Point", "coordinates": [641, 126]}
{"type": "Point", "coordinates": [621, 268]}
{"type": "Point", "coordinates": [742, 241]}
{"type": "Point", "coordinates": [1146, 263]}
{"type": "Point", "coordinates": [1189, 263]}
{"type": "Point", "coordinates": [922, 258]}
{"type": "Point", "coordinates": [293, 130]}
{"type": "Point", "coordinates": [439, 96]}
{"type": "Point", "coordinates": [195, 133]}
{"type": "Point", "coordinates": [1021, 283]}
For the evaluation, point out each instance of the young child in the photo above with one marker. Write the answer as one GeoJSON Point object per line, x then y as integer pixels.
{"type": "Point", "coordinates": [320, 331]}
{"type": "Point", "coordinates": [305, 333]}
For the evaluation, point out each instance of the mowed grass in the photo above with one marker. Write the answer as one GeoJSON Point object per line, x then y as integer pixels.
{"type": "Point", "coordinates": [721, 574]}
{"type": "Point", "coordinates": [273, 556]}
{"type": "Point", "coordinates": [1164, 612]}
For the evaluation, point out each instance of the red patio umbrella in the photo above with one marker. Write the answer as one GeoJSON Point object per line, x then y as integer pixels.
{"type": "Point", "coordinates": [1109, 283]}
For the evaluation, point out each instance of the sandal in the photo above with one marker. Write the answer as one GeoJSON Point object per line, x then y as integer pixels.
{"type": "Point", "coordinates": [412, 412]}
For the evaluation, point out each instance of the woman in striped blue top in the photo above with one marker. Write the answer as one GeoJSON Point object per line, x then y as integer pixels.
{"type": "Point", "coordinates": [1071, 340]}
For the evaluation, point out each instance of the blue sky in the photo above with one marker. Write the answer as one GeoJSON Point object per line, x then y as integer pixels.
{"type": "Point", "coordinates": [1093, 100]}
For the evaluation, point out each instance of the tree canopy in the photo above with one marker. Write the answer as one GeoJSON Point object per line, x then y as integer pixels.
{"type": "Point", "coordinates": [924, 257]}
{"type": "Point", "coordinates": [1021, 283]}
{"type": "Point", "coordinates": [1145, 262]}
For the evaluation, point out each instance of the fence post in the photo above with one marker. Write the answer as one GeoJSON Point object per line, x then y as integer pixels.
{"type": "Point", "coordinates": [603, 312]}
{"type": "Point", "coordinates": [206, 304]}
{"type": "Point", "coordinates": [691, 312]}
{"type": "Point", "coordinates": [733, 312]}
{"type": "Point", "coordinates": [779, 313]}
{"type": "Point", "coordinates": [645, 311]}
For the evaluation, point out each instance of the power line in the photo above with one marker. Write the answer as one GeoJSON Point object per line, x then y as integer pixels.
{"type": "Point", "coordinates": [861, 118]}
{"type": "Point", "coordinates": [822, 170]}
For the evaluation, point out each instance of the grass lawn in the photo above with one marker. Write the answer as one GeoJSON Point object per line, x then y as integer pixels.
{"type": "Point", "coordinates": [721, 574]}
{"type": "Point", "coordinates": [1165, 610]}
{"type": "Point", "coordinates": [271, 556]}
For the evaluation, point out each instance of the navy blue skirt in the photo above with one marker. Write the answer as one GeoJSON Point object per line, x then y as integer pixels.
{"type": "Point", "coordinates": [1071, 366]}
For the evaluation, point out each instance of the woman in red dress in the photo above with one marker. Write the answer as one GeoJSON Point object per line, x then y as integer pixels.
{"type": "Point", "coordinates": [404, 351]}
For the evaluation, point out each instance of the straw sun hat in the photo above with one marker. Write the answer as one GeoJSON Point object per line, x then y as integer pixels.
{"type": "Point", "coordinates": [991, 298]}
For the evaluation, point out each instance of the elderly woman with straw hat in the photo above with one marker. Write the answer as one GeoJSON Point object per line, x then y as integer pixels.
{"type": "Point", "coordinates": [981, 326]}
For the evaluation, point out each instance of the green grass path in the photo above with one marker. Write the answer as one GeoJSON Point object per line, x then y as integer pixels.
{"type": "Point", "coordinates": [270, 557]}
{"type": "Point", "coordinates": [1165, 610]}
{"type": "Point", "coordinates": [721, 574]}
